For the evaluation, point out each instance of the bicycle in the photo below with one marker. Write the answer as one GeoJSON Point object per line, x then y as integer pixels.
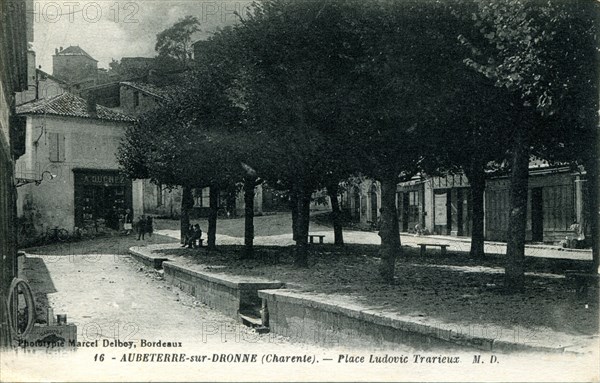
{"type": "Point", "coordinates": [56, 234]}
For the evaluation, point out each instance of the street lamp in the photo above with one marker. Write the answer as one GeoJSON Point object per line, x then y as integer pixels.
{"type": "Point", "coordinates": [25, 181]}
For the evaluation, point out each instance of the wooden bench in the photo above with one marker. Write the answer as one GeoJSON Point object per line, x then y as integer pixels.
{"type": "Point", "coordinates": [199, 240]}
{"type": "Point", "coordinates": [440, 245]}
{"type": "Point", "coordinates": [311, 238]}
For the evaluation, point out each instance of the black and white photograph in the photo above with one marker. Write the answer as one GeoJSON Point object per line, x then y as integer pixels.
{"type": "Point", "coordinates": [299, 190]}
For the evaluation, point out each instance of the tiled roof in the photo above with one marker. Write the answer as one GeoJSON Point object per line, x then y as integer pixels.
{"type": "Point", "coordinates": [162, 92]}
{"type": "Point", "coordinates": [74, 51]}
{"type": "Point", "coordinates": [69, 105]}
{"type": "Point", "coordinates": [44, 75]}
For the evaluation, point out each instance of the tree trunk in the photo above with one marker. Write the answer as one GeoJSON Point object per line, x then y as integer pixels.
{"type": "Point", "coordinates": [476, 178]}
{"type": "Point", "coordinates": [517, 220]}
{"type": "Point", "coordinates": [302, 226]}
{"type": "Point", "coordinates": [294, 209]}
{"type": "Point", "coordinates": [187, 203]}
{"type": "Point", "coordinates": [212, 216]}
{"type": "Point", "coordinates": [389, 230]}
{"type": "Point", "coordinates": [249, 184]}
{"type": "Point", "coordinates": [336, 214]}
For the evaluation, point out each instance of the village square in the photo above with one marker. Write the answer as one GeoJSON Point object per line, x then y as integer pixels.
{"type": "Point", "coordinates": [306, 186]}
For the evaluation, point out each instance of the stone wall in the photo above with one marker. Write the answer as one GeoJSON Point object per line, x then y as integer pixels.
{"type": "Point", "coordinates": [225, 293]}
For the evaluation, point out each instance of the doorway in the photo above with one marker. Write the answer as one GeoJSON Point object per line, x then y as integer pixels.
{"type": "Point", "coordinates": [537, 215]}
{"type": "Point", "coordinates": [374, 204]}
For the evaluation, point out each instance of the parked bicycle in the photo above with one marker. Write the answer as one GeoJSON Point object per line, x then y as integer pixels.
{"type": "Point", "coordinates": [57, 234]}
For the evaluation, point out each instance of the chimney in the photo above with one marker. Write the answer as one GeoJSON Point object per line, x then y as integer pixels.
{"type": "Point", "coordinates": [55, 51]}
{"type": "Point", "coordinates": [92, 108]}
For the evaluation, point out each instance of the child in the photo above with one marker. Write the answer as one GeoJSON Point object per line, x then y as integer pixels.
{"type": "Point", "coordinates": [149, 226]}
{"type": "Point", "coordinates": [141, 227]}
{"type": "Point", "coordinates": [127, 225]}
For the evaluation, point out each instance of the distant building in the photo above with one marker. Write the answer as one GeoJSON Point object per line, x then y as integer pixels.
{"type": "Point", "coordinates": [139, 97]}
{"type": "Point", "coordinates": [443, 205]}
{"type": "Point", "coordinates": [74, 65]}
{"type": "Point", "coordinates": [556, 199]}
{"type": "Point", "coordinates": [132, 66]}
{"type": "Point", "coordinates": [39, 83]}
{"type": "Point", "coordinates": [361, 202]}
{"type": "Point", "coordinates": [69, 171]}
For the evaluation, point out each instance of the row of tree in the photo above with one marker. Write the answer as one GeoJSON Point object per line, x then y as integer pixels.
{"type": "Point", "coordinates": [306, 94]}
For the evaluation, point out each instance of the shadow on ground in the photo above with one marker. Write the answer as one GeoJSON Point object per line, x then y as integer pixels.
{"type": "Point", "coordinates": [116, 244]}
{"type": "Point", "coordinates": [36, 273]}
{"type": "Point", "coordinates": [453, 288]}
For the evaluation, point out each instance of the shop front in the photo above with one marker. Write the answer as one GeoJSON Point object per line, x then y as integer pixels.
{"type": "Point", "coordinates": [451, 205]}
{"type": "Point", "coordinates": [410, 202]}
{"type": "Point", "coordinates": [101, 198]}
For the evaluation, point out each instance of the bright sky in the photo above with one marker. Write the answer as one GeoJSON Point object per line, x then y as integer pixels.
{"type": "Point", "coordinates": [108, 29]}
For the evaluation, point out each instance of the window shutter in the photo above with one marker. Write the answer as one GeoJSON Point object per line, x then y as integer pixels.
{"type": "Point", "coordinates": [61, 147]}
{"type": "Point", "coordinates": [53, 146]}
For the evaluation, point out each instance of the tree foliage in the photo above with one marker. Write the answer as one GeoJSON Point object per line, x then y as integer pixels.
{"type": "Point", "coordinates": [174, 44]}
{"type": "Point", "coordinates": [542, 53]}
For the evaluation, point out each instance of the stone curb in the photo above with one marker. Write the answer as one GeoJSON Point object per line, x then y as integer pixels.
{"type": "Point", "coordinates": [234, 282]}
{"type": "Point", "coordinates": [148, 259]}
{"type": "Point", "coordinates": [353, 310]}
{"type": "Point", "coordinates": [379, 318]}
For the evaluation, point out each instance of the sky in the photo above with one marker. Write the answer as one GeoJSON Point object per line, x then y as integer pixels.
{"type": "Point", "coordinates": [110, 29]}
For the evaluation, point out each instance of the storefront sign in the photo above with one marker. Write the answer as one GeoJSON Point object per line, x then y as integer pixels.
{"type": "Point", "coordinates": [108, 179]}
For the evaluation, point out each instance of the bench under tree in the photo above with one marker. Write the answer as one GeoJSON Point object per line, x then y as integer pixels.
{"type": "Point", "coordinates": [440, 245]}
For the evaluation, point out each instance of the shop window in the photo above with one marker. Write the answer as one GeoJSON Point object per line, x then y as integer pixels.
{"type": "Point", "coordinates": [56, 142]}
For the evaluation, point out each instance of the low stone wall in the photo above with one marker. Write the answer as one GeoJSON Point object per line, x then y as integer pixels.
{"type": "Point", "coordinates": [331, 321]}
{"type": "Point", "coordinates": [225, 293]}
{"type": "Point", "coordinates": [305, 317]}
{"type": "Point", "coordinates": [147, 259]}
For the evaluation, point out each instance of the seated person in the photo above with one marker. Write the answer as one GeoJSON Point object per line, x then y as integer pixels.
{"type": "Point", "coordinates": [418, 230]}
{"type": "Point", "coordinates": [576, 241]}
{"type": "Point", "coordinates": [187, 235]}
{"type": "Point", "coordinates": [195, 236]}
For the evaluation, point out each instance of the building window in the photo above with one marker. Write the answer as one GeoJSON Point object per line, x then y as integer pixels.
{"type": "Point", "coordinates": [56, 147]}
{"type": "Point", "coordinates": [136, 99]}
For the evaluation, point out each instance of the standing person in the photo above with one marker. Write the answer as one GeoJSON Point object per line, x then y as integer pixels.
{"type": "Point", "coordinates": [127, 222]}
{"type": "Point", "coordinates": [141, 227]}
{"type": "Point", "coordinates": [149, 226]}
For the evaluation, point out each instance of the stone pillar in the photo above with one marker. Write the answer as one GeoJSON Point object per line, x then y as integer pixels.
{"type": "Point", "coordinates": [453, 212]}
{"type": "Point", "coordinates": [579, 199]}
{"type": "Point", "coordinates": [428, 200]}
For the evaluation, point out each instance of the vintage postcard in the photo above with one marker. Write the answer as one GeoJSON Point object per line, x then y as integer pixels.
{"type": "Point", "coordinates": [299, 190]}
